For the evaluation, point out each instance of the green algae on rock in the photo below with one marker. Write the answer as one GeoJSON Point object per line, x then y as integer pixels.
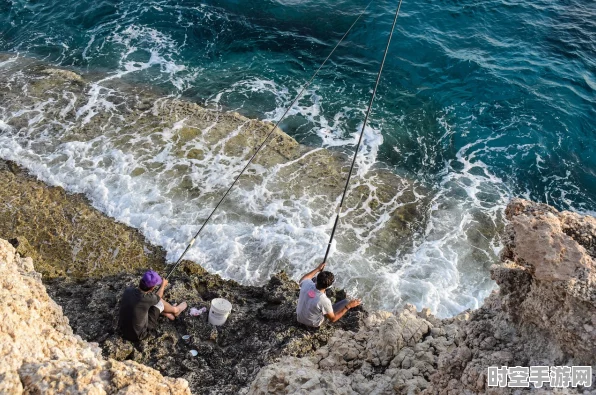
{"type": "Point", "coordinates": [64, 235]}
{"type": "Point", "coordinates": [191, 154]}
{"type": "Point", "coordinates": [262, 326]}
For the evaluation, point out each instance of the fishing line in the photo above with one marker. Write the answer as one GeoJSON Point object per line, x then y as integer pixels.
{"type": "Point", "coordinates": [372, 98]}
{"type": "Point", "coordinates": [192, 241]}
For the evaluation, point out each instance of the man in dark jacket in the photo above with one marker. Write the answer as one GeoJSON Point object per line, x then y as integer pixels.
{"type": "Point", "coordinates": [140, 307]}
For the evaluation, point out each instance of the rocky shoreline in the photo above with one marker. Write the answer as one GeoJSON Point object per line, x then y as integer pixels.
{"type": "Point", "coordinates": [261, 329]}
{"type": "Point", "coordinates": [160, 164]}
{"type": "Point", "coordinates": [543, 314]}
{"type": "Point", "coordinates": [41, 355]}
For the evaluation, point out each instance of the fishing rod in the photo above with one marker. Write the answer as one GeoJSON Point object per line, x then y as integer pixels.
{"type": "Point", "coordinates": [368, 111]}
{"type": "Point", "coordinates": [192, 241]}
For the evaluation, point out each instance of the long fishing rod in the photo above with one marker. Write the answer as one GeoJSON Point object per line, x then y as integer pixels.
{"type": "Point", "coordinates": [372, 98]}
{"type": "Point", "coordinates": [192, 241]}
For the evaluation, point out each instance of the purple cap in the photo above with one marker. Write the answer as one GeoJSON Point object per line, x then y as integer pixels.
{"type": "Point", "coordinates": [151, 279]}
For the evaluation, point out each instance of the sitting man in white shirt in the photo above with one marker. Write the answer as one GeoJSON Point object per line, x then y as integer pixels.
{"type": "Point", "coordinates": [314, 305]}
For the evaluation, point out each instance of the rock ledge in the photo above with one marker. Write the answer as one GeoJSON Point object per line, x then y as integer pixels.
{"type": "Point", "coordinates": [544, 314]}
{"type": "Point", "coordinates": [40, 354]}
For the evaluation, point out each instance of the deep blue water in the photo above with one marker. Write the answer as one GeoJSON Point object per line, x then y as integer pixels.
{"type": "Point", "coordinates": [479, 101]}
{"type": "Point", "coordinates": [515, 78]}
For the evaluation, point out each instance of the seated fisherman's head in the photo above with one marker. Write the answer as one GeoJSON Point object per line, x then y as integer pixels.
{"type": "Point", "coordinates": [324, 280]}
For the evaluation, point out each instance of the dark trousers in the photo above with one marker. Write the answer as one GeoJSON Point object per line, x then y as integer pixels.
{"type": "Point", "coordinates": [339, 305]}
{"type": "Point", "coordinates": [153, 317]}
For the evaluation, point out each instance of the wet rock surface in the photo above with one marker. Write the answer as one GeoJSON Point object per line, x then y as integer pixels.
{"type": "Point", "coordinates": [63, 234]}
{"type": "Point", "coordinates": [542, 315]}
{"type": "Point", "coordinates": [194, 151]}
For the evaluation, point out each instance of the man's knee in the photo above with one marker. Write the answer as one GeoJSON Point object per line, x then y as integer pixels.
{"type": "Point", "coordinates": [340, 305]}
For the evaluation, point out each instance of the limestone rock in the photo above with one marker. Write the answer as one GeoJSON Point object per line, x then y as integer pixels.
{"type": "Point", "coordinates": [559, 295]}
{"type": "Point", "coordinates": [543, 314]}
{"type": "Point", "coordinates": [348, 362]}
{"type": "Point", "coordinates": [40, 354]}
{"type": "Point", "coordinates": [304, 378]}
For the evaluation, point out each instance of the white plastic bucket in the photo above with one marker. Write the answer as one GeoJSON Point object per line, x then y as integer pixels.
{"type": "Point", "coordinates": [219, 311]}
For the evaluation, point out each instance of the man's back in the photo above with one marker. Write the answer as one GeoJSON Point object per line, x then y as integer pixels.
{"type": "Point", "coordinates": [134, 312]}
{"type": "Point", "coordinates": [313, 305]}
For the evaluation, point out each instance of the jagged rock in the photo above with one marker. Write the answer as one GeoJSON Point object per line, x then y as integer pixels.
{"type": "Point", "coordinates": [65, 74]}
{"type": "Point", "coordinates": [117, 348]}
{"type": "Point", "coordinates": [40, 354]}
{"type": "Point", "coordinates": [346, 363]}
{"type": "Point", "coordinates": [304, 378]}
{"type": "Point", "coordinates": [261, 327]}
{"type": "Point", "coordinates": [545, 300]}
{"type": "Point", "coordinates": [543, 314]}
{"type": "Point", "coordinates": [558, 298]}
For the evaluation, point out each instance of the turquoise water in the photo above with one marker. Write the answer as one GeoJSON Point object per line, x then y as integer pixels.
{"type": "Point", "coordinates": [516, 79]}
{"type": "Point", "coordinates": [479, 101]}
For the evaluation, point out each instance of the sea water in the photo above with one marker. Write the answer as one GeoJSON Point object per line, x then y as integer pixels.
{"type": "Point", "coordinates": [480, 101]}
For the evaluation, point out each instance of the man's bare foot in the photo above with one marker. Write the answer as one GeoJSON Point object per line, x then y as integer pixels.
{"type": "Point", "coordinates": [180, 308]}
{"type": "Point", "coordinates": [170, 316]}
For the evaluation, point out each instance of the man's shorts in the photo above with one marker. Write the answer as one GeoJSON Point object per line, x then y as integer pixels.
{"type": "Point", "coordinates": [159, 306]}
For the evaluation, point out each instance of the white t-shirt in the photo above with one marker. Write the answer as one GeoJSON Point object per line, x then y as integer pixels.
{"type": "Point", "coordinates": [312, 304]}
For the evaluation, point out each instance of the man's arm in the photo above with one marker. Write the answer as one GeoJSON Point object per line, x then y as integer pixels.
{"type": "Point", "coordinates": [162, 288]}
{"type": "Point", "coordinates": [313, 273]}
{"type": "Point", "coordinates": [332, 317]}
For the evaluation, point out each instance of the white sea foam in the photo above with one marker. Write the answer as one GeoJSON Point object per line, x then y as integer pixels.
{"type": "Point", "coordinates": [447, 254]}
{"type": "Point", "coordinates": [4, 127]}
{"type": "Point", "coordinates": [262, 230]}
{"type": "Point", "coordinates": [8, 61]}
{"type": "Point", "coordinates": [443, 264]}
